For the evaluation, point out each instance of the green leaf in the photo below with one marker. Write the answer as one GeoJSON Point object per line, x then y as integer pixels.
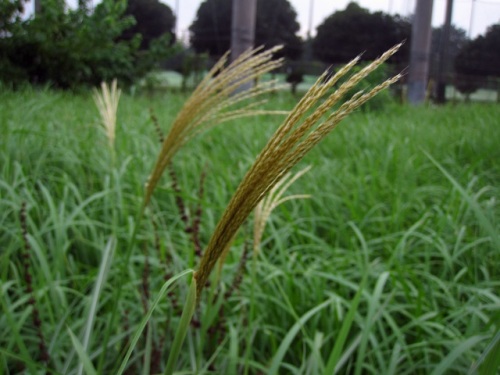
{"type": "Point", "coordinates": [445, 364]}
{"type": "Point", "coordinates": [481, 216]}
{"type": "Point", "coordinates": [489, 361]}
{"type": "Point", "coordinates": [107, 258]}
{"type": "Point", "coordinates": [82, 354]}
{"type": "Point", "coordinates": [280, 354]}
{"type": "Point", "coordinates": [344, 330]}
{"type": "Point", "coordinates": [180, 334]}
{"type": "Point", "coordinates": [146, 318]}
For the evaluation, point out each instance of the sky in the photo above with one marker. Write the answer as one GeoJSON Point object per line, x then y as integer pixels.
{"type": "Point", "coordinates": [474, 16]}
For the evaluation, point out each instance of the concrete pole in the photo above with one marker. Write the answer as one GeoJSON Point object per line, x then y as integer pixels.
{"type": "Point", "coordinates": [242, 26]}
{"type": "Point", "coordinates": [471, 20]}
{"type": "Point", "coordinates": [311, 14]}
{"type": "Point", "coordinates": [420, 52]}
{"type": "Point", "coordinates": [243, 30]}
{"type": "Point", "coordinates": [443, 54]}
{"type": "Point", "coordinates": [177, 20]}
{"type": "Point", "coordinates": [38, 7]}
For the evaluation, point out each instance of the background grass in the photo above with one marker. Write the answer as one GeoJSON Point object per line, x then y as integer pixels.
{"type": "Point", "coordinates": [405, 198]}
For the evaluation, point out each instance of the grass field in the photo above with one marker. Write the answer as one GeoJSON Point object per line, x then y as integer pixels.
{"type": "Point", "coordinates": [392, 266]}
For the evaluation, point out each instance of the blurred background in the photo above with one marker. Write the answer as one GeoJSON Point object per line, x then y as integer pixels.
{"type": "Point", "coordinates": [84, 42]}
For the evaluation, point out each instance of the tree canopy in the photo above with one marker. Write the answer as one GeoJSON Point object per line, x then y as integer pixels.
{"type": "Point", "coordinates": [153, 19]}
{"type": "Point", "coordinates": [481, 56]}
{"type": "Point", "coordinates": [346, 33]}
{"type": "Point", "coordinates": [66, 48]}
{"type": "Point", "coordinates": [10, 13]}
{"type": "Point", "coordinates": [457, 40]}
{"type": "Point", "coordinates": [276, 23]}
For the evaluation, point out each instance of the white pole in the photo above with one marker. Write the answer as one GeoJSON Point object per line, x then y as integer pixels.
{"type": "Point", "coordinates": [420, 52]}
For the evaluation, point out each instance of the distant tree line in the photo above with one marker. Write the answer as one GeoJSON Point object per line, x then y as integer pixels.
{"type": "Point", "coordinates": [346, 34]}
{"type": "Point", "coordinates": [478, 59]}
{"type": "Point", "coordinates": [276, 23]}
{"type": "Point", "coordinates": [125, 39]}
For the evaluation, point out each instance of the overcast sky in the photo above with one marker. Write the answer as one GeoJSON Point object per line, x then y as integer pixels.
{"type": "Point", "coordinates": [472, 15]}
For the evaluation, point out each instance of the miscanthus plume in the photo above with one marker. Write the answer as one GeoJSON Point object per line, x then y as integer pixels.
{"type": "Point", "coordinates": [316, 115]}
{"type": "Point", "coordinates": [216, 100]}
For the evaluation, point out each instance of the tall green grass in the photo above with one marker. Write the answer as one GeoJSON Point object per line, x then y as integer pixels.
{"type": "Point", "coordinates": [390, 267]}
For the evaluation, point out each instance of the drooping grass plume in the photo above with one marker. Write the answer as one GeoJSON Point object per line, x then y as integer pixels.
{"type": "Point", "coordinates": [264, 209]}
{"type": "Point", "coordinates": [216, 100]}
{"type": "Point", "coordinates": [271, 201]}
{"type": "Point", "coordinates": [107, 104]}
{"type": "Point", "coordinates": [304, 127]}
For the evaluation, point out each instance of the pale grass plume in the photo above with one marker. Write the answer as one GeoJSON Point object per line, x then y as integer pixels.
{"type": "Point", "coordinates": [263, 211]}
{"type": "Point", "coordinates": [272, 200]}
{"type": "Point", "coordinates": [306, 125]}
{"type": "Point", "coordinates": [106, 101]}
{"type": "Point", "coordinates": [216, 100]}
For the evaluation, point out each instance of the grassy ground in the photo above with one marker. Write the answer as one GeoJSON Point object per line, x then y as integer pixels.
{"type": "Point", "coordinates": [391, 267]}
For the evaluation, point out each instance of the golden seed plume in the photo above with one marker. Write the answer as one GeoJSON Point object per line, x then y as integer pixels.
{"type": "Point", "coordinates": [263, 211]}
{"type": "Point", "coordinates": [298, 134]}
{"type": "Point", "coordinates": [107, 104]}
{"type": "Point", "coordinates": [214, 102]}
{"type": "Point", "coordinates": [272, 200]}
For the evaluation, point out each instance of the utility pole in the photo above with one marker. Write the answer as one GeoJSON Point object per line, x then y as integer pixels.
{"type": "Point", "coordinates": [471, 20]}
{"type": "Point", "coordinates": [242, 26]}
{"type": "Point", "coordinates": [177, 19]}
{"type": "Point", "coordinates": [443, 54]}
{"type": "Point", "coordinates": [307, 55]}
{"type": "Point", "coordinates": [243, 30]}
{"type": "Point", "coordinates": [38, 7]}
{"type": "Point", "coordinates": [420, 52]}
{"type": "Point", "coordinates": [311, 13]}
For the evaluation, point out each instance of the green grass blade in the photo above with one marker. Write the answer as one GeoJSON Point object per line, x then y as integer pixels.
{"type": "Point", "coordinates": [481, 216]}
{"type": "Point", "coordinates": [24, 353]}
{"type": "Point", "coordinates": [233, 350]}
{"type": "Point", "coordinates": [145, 319]}
{"type": "Point", "coordinates": [489, 361]}
{"type": "Point", "coordinates": [82, 354]}
{"type": "Point", "coordinates": [444, 366]}
{"type": "Point", "coordinates": [373, 307]}
{"type": "Point", "coordinates": [147, 352]}
{"type": "Point", "coordinates": [5, 354]}
{"type": "Point", "coordinates": [107, 258]}
{"type": "Point", "coordinates": [116, 296]}
{"type": "Point", "coordinates": [395, 357]}
{"type": "Point", "coordinates": [280, 354]}
{"type": "Point", "coordinates": [180, 334]}
{"type": "Point", "coordinates": [344, 330]}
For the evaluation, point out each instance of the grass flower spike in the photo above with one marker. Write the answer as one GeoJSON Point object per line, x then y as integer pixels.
{"type": "Point", "coordinates": [107, 104]}
{"type": "Point", "coordinates": [306, 125]}
{"type": "Point", "coordinates": [264, 208]}
{"type": "Point", "coordinates": [271, 201]}
{"type": "Point", "coordinates": [216, 100]}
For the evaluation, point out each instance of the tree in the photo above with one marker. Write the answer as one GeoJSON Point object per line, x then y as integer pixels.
{"type": "Point", "coordinates": [10, 14]}
{"type": "Point", "coordinates": [442, 71]}
{"type": "Point", "coordinates": [276, 23]}
{"type": "Point", "coordinates": [458, 40]}
{"type": "Point", "coordinates": [67, 48]}
{"type": "Point", "coordinates": [478, 60]}
{"type": "Point", "coordinates": [481, 56]}
{"type": "Point", "coordinates": [345, 34]}
{"type": "Point", "coordinates": [153, 20]}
